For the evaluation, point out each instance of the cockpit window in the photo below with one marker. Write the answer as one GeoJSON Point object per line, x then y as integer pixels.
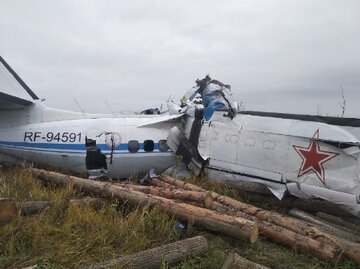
{"type": "Point", "coordinates": [148, 145]}
{"type": "Point", "coordinates": [133, 146]}
{"type": "Point", "coordinates": [163, 147]}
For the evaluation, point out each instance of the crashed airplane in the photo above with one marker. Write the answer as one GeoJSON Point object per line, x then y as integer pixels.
{"type": "Point", "coordinates": [301, 155]}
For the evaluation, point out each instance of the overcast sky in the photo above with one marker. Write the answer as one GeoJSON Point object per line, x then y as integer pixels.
{"type": "Point", "coordinates": [282, 56]}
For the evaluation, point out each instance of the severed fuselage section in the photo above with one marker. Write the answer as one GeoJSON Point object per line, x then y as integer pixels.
{"type": "Point", "coordinates": [302, 155]}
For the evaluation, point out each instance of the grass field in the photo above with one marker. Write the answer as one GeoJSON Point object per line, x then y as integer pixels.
{"type": "Point", "coordinates": [74, 237]}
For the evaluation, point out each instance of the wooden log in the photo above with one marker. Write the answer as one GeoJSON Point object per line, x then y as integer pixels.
{"type": "Point", "coordinates": [325, 226]}
{"type": "Point", "coordinates": [285, 237]}
{"type": "Point", "coordinates": [179, 183]}
{"type": "Point", "coordinates": [234, 261]}
{"type": "Point", "coordinates": [320, 244]}
{"type": "Point", "coordinates": [259, 193]}
{"type": "Point", "coordinates": [294, 240]}
{"type": "Point", "coordinates": [297, 233]}
{"type": "Point", "coordinates": [8, 210]}
{"type": "Point", "coordinates": [203, 198]}
{"type": "Point", "coordinates": [234, 226]}
{"type": "Point", "coordinates": [350, 249]}
{"type": "Point", "coordinates": [339, 221]}
{"type": "Point", "coordinates": [34, 207]}
{"type": "Point", "coordinates": [153, 258]}
{"type": "Point", "coordinates": [300, 232]}
{"type": "Point", "coordinates": [237, 227]}
{"type": "Point", "coordinates": [260, 214]}
{"type": "Point", "coordinates": [158, 183]}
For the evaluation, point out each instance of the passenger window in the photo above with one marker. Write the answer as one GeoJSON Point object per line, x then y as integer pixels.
{"type": "Point", "coordinates": [149, 145]}
{"type": "Point", "coordinates": [133, 146]}
{"type": "Point", "coordinates": [163, 147]}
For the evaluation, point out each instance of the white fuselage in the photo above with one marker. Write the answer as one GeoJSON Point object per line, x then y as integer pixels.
{"type": "Point", "coordinates": [60, 140]}
{"type": "Point", "coordinates": [264, 148]}
{"type": "Point", "coordinates": [309, 159]}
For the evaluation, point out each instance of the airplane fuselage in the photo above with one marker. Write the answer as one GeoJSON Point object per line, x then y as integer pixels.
{"type": "Point", "coordinates": [304, 155]}
{"type": "Point", "coordinates": [309, 158]}
{"type": "Point", "coordinates": [131, 144]}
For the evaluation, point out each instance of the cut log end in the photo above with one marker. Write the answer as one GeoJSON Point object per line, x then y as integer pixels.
{"type": "Point", "coordinates": [208, 200]}
{"type": "Point", "coordinates": [8, 210]}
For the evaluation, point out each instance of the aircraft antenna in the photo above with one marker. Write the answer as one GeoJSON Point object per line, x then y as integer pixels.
{"type": "Point", "coordinates": [76, 102]}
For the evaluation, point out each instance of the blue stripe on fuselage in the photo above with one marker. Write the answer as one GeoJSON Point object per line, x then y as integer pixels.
{"type": "Point", "coordinates": [44, 145]}
{"type": "Point", "coordinates": [59, 147]}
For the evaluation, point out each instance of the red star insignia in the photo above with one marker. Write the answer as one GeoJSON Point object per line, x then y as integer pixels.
{"type": "Point", "coordinates": [313, 158]}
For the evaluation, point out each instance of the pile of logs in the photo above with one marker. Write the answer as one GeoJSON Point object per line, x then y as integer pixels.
{"type": "Point", "coordinates": [220, 214]}
{"type": "Point", "coordinates": [168, 200]}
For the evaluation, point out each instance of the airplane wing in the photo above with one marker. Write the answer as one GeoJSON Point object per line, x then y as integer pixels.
{"type": "Point", "coordinates": [161, 119]}
{"type": "Point", "coordinates": [14, 93]}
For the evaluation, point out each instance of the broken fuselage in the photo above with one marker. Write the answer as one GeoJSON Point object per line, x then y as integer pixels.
{"type": "Point", "coordinates": [306, 156]}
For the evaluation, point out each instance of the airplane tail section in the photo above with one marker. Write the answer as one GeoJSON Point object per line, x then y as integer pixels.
{"type": "Point", "coordinates": [14, 93]}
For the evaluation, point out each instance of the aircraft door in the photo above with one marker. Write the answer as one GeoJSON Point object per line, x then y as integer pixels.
{"type": "Point", "coordinates": [96, 160]}
{"type": "Point", "coordinates": [100, 153]}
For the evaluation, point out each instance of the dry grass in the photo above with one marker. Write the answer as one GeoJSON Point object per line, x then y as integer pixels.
{"type": "Point", "coordinates": [20, 185]}
{"type": "Point", "coordinates": [73, 237]}
{"type": "Point", "coordinates": [69, 237]}
{"type": "Point", "coordinates": [76, 236]}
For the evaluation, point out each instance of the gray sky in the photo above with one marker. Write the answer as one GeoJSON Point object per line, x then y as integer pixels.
{"type": "Point", "coordinates": [283, 56]}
